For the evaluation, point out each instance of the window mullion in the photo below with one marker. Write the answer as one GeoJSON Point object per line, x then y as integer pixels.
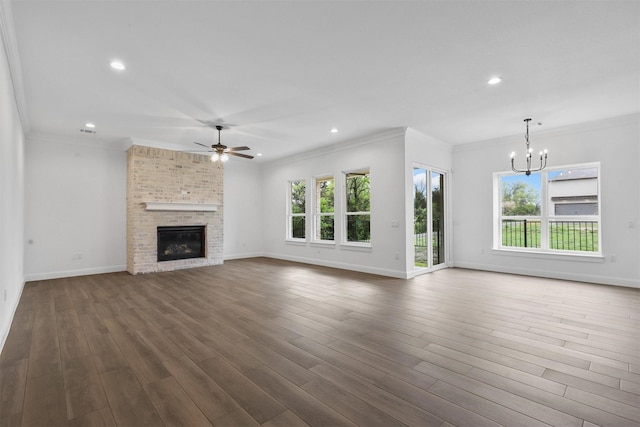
{"type": "Point", "coordinates": [544, 212]}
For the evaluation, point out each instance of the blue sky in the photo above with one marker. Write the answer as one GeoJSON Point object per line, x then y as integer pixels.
{"type": "Point", "coordinates": [533, 180]}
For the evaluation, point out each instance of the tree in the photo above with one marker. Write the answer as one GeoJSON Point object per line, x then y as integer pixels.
{"type": "Point", "coordinates": [358, 200]}
{"type": "Point", "coordinates": [298, 207]}
{"type": "Point", "coordinates": [520, 199]}
{"type": "Point", "coordinates": [419, 207]}
{"type": "Point", "coordinates": [326, 193]}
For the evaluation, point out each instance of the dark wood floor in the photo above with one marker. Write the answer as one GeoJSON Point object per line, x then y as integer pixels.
{"type": "Point", "coordinates": [272, 343]}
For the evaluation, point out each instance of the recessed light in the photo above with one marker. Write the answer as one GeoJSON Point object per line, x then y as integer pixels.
{"type": "Point", "coordinates": [89, 125]}
{"type": "Point", "coordinates": [334, 130]}
{"type": "Point", "coordinates": [117, 65]}
{"type": "Point", "coordinates": [494, 80]}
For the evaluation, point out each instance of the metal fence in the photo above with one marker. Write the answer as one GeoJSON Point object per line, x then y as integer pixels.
{"type": "Point", "coordinates": [421, 241]}
{"type": "Point", "coordinates": [563, 235]}
{"type": "Point", "coordinates": [521, 233]}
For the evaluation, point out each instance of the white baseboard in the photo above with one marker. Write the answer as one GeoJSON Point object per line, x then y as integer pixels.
{"type": "Point", "coordinates": [588, 278]}
{"type": "Point", "coordinates": [342, 266]}
{"type": "Point", "coordinates": [245, 255]}
{"type": "Point", "coordinates": [5, 330]}
{"type": "Point", "coordinates": [73, 273]}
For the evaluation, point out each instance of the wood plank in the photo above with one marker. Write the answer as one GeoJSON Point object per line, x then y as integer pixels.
{"type": "Point", "coordinates": [304, 405]}
{"type": "Point", "coordinates": [129, 403]}
{"type": "Point", "coordinates": [44, 403]}
{"type": "Point", "coordinates": [253, 399]}
{"type": "Point", "coordinates": [210, 397]}
{"type": "Point", "coordinates": [348, 405]}
{"type": "Point", "coordinates": [270, 342]}
{"type": "Point", "coordinates": [173, 405]}
{"type": "Point", "coordinates": [13, 382]}
{"type": "Point", "coordinates": [383, 400]}
{"type": "Point", "coordinates": [99, 418]}
{"type": "Point", "coordinates": [480, 405]}
{"type": "Point", "coordinates": [286, 419]}
{"type": "Point", "coordinates": [83, 387]}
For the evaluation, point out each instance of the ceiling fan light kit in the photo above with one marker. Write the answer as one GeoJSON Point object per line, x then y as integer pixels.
{"type": "Point", "coordinates": [221, 153]}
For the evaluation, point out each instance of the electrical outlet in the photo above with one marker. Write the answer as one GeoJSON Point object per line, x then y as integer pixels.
{"type": "Point", "coordinates": [76, 256]}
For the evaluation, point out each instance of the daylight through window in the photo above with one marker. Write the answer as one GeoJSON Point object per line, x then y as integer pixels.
{"type": "Point", "coordinates": [556, 210]}
{"type": "Point", "coordinates": [358, 207]}
{"type": "Point", "coordinates": [297, 212]}
{"type": "Point", "coordinates": [324, 217]}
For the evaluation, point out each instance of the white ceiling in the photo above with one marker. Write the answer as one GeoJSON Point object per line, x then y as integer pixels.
{"type": "Point", "coordinates": [280, 75]}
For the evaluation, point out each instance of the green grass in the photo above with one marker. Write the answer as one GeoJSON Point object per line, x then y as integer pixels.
{"type": "Point", "coordinates": [569, 237]}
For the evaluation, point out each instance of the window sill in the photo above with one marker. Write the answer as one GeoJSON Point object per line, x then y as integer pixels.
{"type": "Point", "coordinates": [562, 256]}
{"type": "Point", "coordinates": [299, 242]}
{"type": "Point", "coordinates": [324, 243]}
{"type": "Point", "coordinates": [355, 246]}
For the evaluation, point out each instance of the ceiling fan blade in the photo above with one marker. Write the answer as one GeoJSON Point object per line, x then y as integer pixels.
{"type": "Point", "coordinates": [246, 156]}
{"type": "Point", "coordinates": [238, 148]}
{"type": "Point", "coordinates": [205, 146]}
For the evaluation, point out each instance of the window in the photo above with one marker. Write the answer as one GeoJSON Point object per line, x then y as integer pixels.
{"type": "Point", "coordinates": [555, 210]}
{"type": "Point", "coordinates": [297, 213]}
{"type": "Point", "coordinates": [324, 218]}
{"type": "Point", "coordinates": [358, 207]}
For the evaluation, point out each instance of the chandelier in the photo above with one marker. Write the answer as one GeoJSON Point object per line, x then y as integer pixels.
{"type": "Point", "coordinates": [528, 170]}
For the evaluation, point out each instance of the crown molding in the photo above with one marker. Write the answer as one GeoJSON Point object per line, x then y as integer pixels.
{"type": "Point", "coordinates": [8, 35]}
{"type": "Point", "coordinates": [82, 140]}
{"type": "Point", "coordinates": [590, 126]}
{"type": "Point", "coordinates": [340, 146]}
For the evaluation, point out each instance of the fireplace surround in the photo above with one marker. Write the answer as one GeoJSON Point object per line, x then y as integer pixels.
{"type": "Point", "coordinates": [169, 189]}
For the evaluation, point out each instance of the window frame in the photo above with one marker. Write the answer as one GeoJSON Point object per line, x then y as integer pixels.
{"type": "Point", "coordinates": [318, 215]}
{"type": "Point", "coordinates": [546, 217]}
{"type": "Point", "coordinates": [345, 213]}
{"type": "Point", "coordinates": [291, 214]}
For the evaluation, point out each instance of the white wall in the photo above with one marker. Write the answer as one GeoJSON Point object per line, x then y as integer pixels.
{"type": "Point", "coordinates": [75, 203]}
{"type": "Point", "coordinates": [11, 198]}
{"type": "Point", "coordinates": [614, 142]}
{"type": "Point", "coordinates": [384, 155]}
{"type": "Point", "coordinates": [242, 207]}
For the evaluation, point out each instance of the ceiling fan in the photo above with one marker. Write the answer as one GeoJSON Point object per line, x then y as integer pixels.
{"type": "Point", "coordinates": [222, 152]}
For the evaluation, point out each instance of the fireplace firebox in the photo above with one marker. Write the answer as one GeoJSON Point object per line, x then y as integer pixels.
{"type": "Point", "coordinates": [181, 242]}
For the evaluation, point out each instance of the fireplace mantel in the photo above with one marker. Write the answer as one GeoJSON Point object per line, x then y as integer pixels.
{"type": "Point", "coordinates": [179, 206]}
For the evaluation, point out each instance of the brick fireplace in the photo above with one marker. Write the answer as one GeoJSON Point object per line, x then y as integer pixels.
{"type": "Point", "coordinates": [171, 189]}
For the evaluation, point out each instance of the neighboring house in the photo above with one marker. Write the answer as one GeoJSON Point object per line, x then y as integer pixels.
{"type": "Point", "coordinates": [574, 192]}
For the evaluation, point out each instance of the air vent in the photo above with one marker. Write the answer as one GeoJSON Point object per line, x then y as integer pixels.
{"type": "Point", "coordinates": [87, 131]}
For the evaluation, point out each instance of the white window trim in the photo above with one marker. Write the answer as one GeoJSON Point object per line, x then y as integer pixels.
{"type": "Point", "coordinates": [344, 242]}
{"type": "Point", "coordinates": [290, 214]}
{"type": "Point", "coordinates": [316, 209]}
{"type": "Point", "coordinates": [545, 218]}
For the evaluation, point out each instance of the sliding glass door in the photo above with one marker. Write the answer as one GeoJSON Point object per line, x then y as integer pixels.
{"type": "Point", "coordinates": [428, 218]}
